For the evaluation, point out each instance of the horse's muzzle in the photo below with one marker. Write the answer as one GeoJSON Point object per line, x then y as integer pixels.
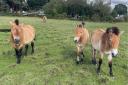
{"type": "Point", "coordinates": [76, 39]}
{"type": "Point", "coordinates": [17, 41]}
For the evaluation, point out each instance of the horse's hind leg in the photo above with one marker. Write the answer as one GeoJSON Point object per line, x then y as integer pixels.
{"type": "Point", "coordinates": [32, 44]}
{"type": "Point", "coordinates": [26, 49]}
{"type": "Point", "coordinates": [93, 56]}
{"type": "Point", "coordinates": [18, 55]}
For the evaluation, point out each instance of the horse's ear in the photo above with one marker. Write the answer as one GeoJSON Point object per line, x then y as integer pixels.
{"type": "Point", "coordinates": [121, 32]}
{"type": "Point", "coordinates": [11, 22]}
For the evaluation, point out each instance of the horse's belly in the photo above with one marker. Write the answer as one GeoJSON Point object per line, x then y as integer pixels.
{"type": "Point", "coordinates": [96, 45]}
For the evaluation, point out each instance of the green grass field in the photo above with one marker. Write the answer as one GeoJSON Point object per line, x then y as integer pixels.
{"type": "Point", "coordinates": [53, 62]}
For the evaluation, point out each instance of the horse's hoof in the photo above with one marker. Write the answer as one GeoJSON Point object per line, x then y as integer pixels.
{"type": "Point", "coordinates": [82, 60]}
{"type": "Point", "coordinates": [111, 74]}
{"type": "Point", "coordinates": [18, 62]}
{"type": "Point", "coordinates": [98, 71]}
{"type": "Point", "coordinates": [94, 62]}
{"type": "Point", "coordinates": [77, 62]}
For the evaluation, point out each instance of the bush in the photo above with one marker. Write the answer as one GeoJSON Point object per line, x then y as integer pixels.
{"type": "Point", "coordinates": [95, 17]}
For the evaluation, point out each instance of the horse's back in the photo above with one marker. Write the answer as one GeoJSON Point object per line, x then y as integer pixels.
{"type": "Point", "coordinates": [28, 33]}
{"type": "Point", "coordinates": [96, 38]}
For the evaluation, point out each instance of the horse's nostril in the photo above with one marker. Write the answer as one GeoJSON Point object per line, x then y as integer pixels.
{"type": "Point", "coordinates": [75, 41]}
{"type": "Point", "coordinates": [17, 41]}
{"type": "Point", "coordinates": [113, 55]}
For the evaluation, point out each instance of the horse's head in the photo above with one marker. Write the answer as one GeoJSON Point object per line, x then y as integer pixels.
{"type": "Point", "coordinates": [113, 35]}
{"type": "Point", "coordinates": [78, 33]}
{"type": "Point", "coordinates": [16, 32]}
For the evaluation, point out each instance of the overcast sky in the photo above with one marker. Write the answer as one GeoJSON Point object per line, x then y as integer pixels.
{"type": "Point", "coordinates": [119, 1]}
{"type": "Point", "coordinates": [115, 2]}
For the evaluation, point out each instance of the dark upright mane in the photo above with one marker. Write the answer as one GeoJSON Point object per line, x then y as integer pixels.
{"type": "Point", "coordinates": [80, 25]}
{"type": "Point", "coordinates": [16, 22]}
{"type": "Point", "coordinates": [115, 30]}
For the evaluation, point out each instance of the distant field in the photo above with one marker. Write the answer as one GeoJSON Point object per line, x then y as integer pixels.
{"type": "Point", "coordinates": [53, 62]}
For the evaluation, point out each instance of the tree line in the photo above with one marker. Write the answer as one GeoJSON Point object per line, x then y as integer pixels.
{"type": "Point", "coordinates": [75, 9]}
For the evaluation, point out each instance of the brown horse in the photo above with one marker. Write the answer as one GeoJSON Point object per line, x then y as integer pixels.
{"type": "Point", "coordinates": [21, 35]}
{"type": "Point", "coordinates": [106, 42]}
{"type": "Point", "coordinates": [81, 38]}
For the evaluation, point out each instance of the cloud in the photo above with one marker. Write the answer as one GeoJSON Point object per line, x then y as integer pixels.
{"type": "Point", "coordinates": [119, 2]}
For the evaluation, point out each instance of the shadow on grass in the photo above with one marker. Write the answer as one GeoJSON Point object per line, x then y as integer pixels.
{"type": "Point", "coordinates": [5, 30]}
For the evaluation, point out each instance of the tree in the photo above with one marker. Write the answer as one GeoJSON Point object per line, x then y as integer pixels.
{"type": "Point", "coordinates": [36, 4]}
{"type": "Point", "coordinates": [3, 6]}
{"type": "Point", "coordinates": [55, 7]}
{"type": "Point", "coordinates": [120, 9]}
{"type": "Point", "coordinates": [101, 9]}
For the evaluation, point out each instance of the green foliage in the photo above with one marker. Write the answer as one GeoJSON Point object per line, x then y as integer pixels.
{"type": "Point", "coordinates": [36, 4]}
{"type": "Point", "coordinates": [54, 8]}
{"type": "Point", "coordinates": [120, 9]}
{"type": "Point", "coordinates": [78, 8]}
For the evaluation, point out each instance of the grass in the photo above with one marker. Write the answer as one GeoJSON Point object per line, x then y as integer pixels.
{"type": "Point", "coordinates": [53, 62]}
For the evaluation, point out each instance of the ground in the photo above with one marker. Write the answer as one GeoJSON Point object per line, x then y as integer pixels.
{"type": "Point", "coordinates": [53, 62]}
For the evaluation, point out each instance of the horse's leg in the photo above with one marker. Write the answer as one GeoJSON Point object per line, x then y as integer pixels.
{"type": "Point", "coordinates": [26, 49]}
{"type": "Point", "coordinates": [93, 56]}
{"type": "Point", "coordinates": [32, 44]}
{"type": "Point", "coordinates": [110, 64]}
{"type": "Point", "coordinates": [82, 56]}
{"type": "Point", "coordinates": [18, 55]}
{"type": "Point", "coordinates": [78, 56]}
{"type": "Point", "coordinates": [100, 62]}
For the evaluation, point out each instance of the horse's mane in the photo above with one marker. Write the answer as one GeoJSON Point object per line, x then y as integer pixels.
{"type": "Point", "coordinates": [16, 22]}
{"type": "Point", "coordinates": [115, 30]}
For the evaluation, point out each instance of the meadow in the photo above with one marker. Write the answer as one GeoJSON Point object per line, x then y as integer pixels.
{"type": "Point", "coordinates": [53, 62]}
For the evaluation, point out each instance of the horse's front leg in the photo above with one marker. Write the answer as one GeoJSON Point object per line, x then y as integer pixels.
{"type": "Point", "coordinates": [100, 62]}
{"type": "Point", "coordinates": [78, 55]}
{"type": "Point", "coordinates": [26, 49]}
{"type": "Point", "coordinates": [32, 44]}
{"type": "Point", "coordinates": [110, 64]}
{"type": "Point", "coordinates": [18, 55]}
{"type": "Point", "coordinates": [93, 56]}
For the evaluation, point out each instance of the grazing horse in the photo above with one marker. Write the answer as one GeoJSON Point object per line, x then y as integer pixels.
{"type": "Point", "coordinates": [106, 42]}
{"type": "Point", "coordinates": [21, 35]}
{"type": "Point", "coordinates": [81, 38]}
{"type": "Point", "coordinates": [44, 19]}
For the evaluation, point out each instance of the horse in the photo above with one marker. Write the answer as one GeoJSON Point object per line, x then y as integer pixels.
{"type": "Point", "coordinates": [21, 36]}
{"type": "Point", "coordinates": [106, 42]}
{"type": "Point", "coordinates": [44, 19]}
{"type": "Point", "coordinates": [81, 38]}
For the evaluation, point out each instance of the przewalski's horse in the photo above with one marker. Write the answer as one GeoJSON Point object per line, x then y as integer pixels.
{"type": "Point", "coordinates": [21, 35]}
{"type": "Point", "coordinates": [81, 38]}
{"type": "Point", "coordinates": [44, 19]}
{"type": "Point", "coordinates": [106, 42]}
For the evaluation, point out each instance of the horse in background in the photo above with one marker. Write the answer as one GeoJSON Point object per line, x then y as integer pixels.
{"type": "Point", "coordinates": [81, 38]}
{"type": "Point", "coordinates": [21, 36]}
{"type": "Point", "coordinates": [106, 42]}
{"type": "Point", "coordinates": [44, 19]}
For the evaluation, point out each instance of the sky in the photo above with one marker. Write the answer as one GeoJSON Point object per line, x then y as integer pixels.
{"type": "Point", "coordinates": [119, 1]}
{"type": "Point", "coordinates": [115, 2]}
